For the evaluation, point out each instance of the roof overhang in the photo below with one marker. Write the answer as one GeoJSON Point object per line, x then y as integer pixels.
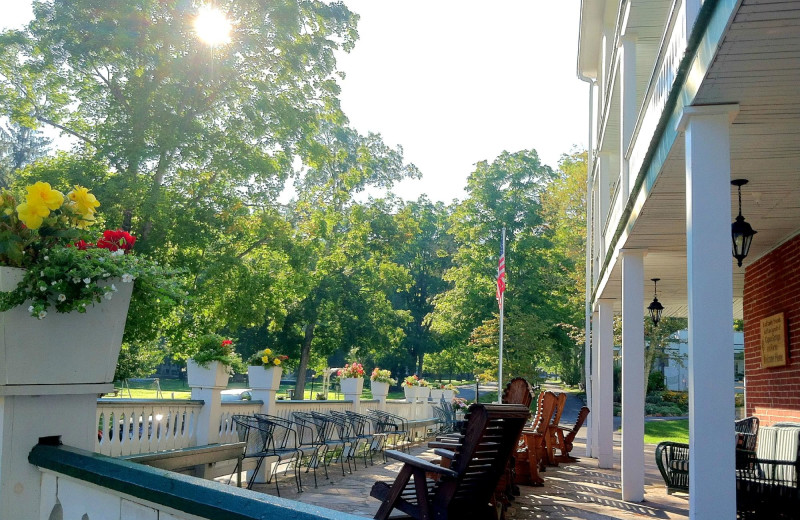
{"type": "Point", "coordinates": [590, 34]}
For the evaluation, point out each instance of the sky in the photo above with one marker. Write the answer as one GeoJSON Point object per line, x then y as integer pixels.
{"type": "Point", "coordinates": [455, 82]}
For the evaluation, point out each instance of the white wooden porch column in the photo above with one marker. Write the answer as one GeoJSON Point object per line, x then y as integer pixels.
{"type": "Point", "coordinates": [594, 404]}
{"type": "Point", "coordinates": [712, 492]}
{"type": "Point", "coordinates": [605, 385]}
{"type": "Point", "coordinates": [633, 375]}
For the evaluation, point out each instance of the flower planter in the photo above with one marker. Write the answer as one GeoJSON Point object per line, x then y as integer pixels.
{"type": "Point", "coordinates": [215, 375]}
{"type": "Point", "coordinates": [416, 392]}
{"type": "Point", "coordinates": [379, 390]}
{"type": "Point", "coordinates": [264, 378]}
{"type": "Point", "coordinates": [352, 385]}
{"type": "Point", "coordinates": [448, 395]}
{"type": "Point", "coordinates": [71, 348]}
{"type": "Point", "coordinates": [436, 394]}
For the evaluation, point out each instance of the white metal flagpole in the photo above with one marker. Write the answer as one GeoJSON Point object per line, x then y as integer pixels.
{"type": "Point", "coordinates": [501, 285]}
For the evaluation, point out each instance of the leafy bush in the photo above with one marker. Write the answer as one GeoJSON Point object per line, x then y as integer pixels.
{"type": "Point", "coordinates": [655, 382]}
{"type": "Point", "coordinates": [654, 398]}
{"type": "Point", "coordinates": [679, 398]}
{"type": "Point", "coordinates": [663, 410]}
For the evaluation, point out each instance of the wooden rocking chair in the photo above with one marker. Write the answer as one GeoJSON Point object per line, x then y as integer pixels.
{"type": "Point", "coordinates": [466, 488]}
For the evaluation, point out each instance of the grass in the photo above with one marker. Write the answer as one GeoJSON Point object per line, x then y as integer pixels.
{"type": "Point", "coordinates": [657, 431]}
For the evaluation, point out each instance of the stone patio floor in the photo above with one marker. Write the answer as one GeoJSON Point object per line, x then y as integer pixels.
{"type": "Point", "coordinates": [579, 491]}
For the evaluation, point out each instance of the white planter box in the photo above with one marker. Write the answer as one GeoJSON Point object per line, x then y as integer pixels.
{"type": "Point", "coordinates": [352, 385]}
{"type": "Point", "coordinates": [448, 395]}
{"type": "Point", "coordinates": [264, 378]}
{"type": "Point", "coordinates": [379, 389]}
{"type": "Point", "coordinates": [436, 394]}
{"type": "Point", "coordinates": [416, 392]}
{"type": "Point", "coordinates": [215, 375]}
{"type": "Point", "coordinates": [72, 348]}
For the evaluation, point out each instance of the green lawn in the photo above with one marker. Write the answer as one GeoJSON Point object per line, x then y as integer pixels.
{"type": "Point", "coordinates": [657, 431]}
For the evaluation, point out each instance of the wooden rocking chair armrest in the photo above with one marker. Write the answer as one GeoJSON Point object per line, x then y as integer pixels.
{"type": "Point", "coordinates": [445, 454]}
{"type": "Point", "coordinates": [443, 444]}
{"type": "Point", "coordinates": [418, 463]}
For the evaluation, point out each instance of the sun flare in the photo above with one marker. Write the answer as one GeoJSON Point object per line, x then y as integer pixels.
{"type": "Point", "coordinates": [212, 26]}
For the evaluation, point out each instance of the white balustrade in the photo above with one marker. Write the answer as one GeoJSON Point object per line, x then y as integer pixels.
{"type": "Point", "coordinates": [129, 426]}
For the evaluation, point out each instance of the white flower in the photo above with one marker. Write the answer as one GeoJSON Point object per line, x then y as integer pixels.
{"type": "Point", "coordinates": [113, 287]}
{"type": "Point", "coordinates": [118, 252]}
{"type": "Point", "coordinates": [127, 278]}
{"type": "Point", "coordinates": [30, 309]}
{"type": "Point", "coordinates": [41, 273]}
{"type": "Point", "coordinates": [46, 258]}
{"type": "Point", "coordinates": [83, 305]}
{"type": "Point", "coordinates": [42, 314]}
{"type": "Point", "coordinates": [109, 295]}
{"type": "Point", "coordinates": [53, 282]}
{"type": "Point", "coordinates": [101, 259]}
{"type": "Point", "coordinates": [76, 280]}
{"type": "Point", "coordinates": [43, 288]}
{"type": "Point", "coordinates": [87, 281]}
{"type": "Point", "coordinates": [62, 297]}
{"type": "Point", "coordinates": [106, 275]}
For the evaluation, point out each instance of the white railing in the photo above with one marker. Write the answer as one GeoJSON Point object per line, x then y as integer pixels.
{"type": "Point", "coordinates": [227, 429]}
{"type": "Point", "coordinates": [673, 47]}
{"type": "Point", "coordinates": [130, 426]}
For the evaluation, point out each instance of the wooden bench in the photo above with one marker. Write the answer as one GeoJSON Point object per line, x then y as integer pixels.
{"type": "Point", "coordinates": [194, 460]}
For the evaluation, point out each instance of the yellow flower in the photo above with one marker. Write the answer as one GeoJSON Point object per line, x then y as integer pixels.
{"type": "Point", "coordinates": [267, 352]}
{"type": "Point", "coordinates": [41, 194]}
{"type": "Point", "coordinates": [265, 359]}
{"type": "Point", "coordinates": [84, 201]}
{"type": "Point", "coordinates": [31, 215]}
{"type": "Point", "coordinates": [277, 361]}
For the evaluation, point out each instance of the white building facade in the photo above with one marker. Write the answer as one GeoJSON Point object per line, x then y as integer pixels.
{"type": "Point", "coordinates": [685, 96]}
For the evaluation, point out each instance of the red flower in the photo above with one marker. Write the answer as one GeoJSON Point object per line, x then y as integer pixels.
{"type": "Point", "coordinates": [82, 245]}
{"type": "Point", "coordinates": [115, 240]}
{"type": "Point", "coordinates": [226, 342]}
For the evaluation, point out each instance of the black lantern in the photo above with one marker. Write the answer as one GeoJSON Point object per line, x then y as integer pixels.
{"type": "Point", "coordinates": [655, 308]}
{"type": "Point", "coordinates": [741, 232]}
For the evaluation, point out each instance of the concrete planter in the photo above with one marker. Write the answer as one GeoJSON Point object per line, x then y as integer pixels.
{"type": "Point", "coordinates": [379, 390]}
{"type": "Point", "coordinates": [352, 385]}
{"type": "Point", "coordinates": [264, 378]}
{"type": "Point", "coordinates": [61, 349]}
{"type": "Point", "coordinates": [214, 375]}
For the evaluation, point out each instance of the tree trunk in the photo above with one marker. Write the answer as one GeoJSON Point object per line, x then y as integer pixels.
{"type": "Point", "coordinates": [305, 354]}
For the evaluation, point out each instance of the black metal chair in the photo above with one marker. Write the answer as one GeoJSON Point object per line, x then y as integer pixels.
{"type": "Point", "coordinates": [334, 440]}
{"type": "Point", "coordinates": [255, 438]}
{"type": "Point", "coordinates": [309, 442]}
{"type": "Point", "coordinates": [281, 445]}
{"type": "Point", "coordinates": [393, 426]}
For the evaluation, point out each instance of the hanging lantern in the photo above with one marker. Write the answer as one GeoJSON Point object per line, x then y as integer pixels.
{"type": "Point", "coordinates": [741, 232]}
{"type": "Point", "coordinates": [655, 308]}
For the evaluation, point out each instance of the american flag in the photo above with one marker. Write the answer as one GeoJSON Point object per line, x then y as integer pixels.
{"type": "Point", "coordinates": [501, 274]}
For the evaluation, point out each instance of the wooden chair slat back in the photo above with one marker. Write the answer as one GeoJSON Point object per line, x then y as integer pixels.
{"type": "Point", "coordinates": [491, 434]}
{"type": "Point", "coordinates": [518, 391]}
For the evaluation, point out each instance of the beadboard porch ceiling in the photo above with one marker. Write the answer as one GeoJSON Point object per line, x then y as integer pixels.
{"type": "Point", "coordinates": [758, 67]}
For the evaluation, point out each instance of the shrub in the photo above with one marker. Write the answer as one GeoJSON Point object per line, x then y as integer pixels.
{"type": "Point", "coordinates": [655, 382]}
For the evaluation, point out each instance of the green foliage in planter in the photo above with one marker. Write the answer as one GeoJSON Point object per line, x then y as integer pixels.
{"type": "Point", "coordinates": [213, 347]}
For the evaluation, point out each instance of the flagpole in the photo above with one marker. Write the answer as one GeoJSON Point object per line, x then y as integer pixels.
{"type": "Point", "coordinates": [502, 301]}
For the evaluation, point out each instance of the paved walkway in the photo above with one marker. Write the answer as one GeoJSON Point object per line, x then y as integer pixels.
{"type": "Point", "coordinates": [579, 491]}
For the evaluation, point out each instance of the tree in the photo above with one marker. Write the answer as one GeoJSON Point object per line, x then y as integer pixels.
{"type": "Point", "coordinates": [426, 254]}
{"type": "Point", "coordinates": [564, 214]}
{"type": "Point", "coordinates": [19, 146]}
{"type": "Point", "coordinates": [506, 192]}
{"type": "Point", "coordinates": [131, 81]}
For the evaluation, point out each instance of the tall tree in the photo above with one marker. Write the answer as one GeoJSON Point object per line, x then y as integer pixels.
{"type": "Point", "coordinates": [131, 80]}
{"type": "Point", "coordinates": [19, 145]}
{"type": "Point", "coordinates": [506, 192]}
{"type": "Point", "coordinates": [564, 214]}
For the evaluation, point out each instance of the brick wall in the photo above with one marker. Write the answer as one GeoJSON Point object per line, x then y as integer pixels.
{"type": "Point", "coordinates": [771, 286]}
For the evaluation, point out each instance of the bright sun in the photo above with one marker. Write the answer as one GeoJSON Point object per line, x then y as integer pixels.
{"type": "Point", "coordinates": [212, 26]}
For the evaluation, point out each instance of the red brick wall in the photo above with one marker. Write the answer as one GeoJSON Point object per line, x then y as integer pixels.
{"type": "Point", "coordinates": [771, 286]}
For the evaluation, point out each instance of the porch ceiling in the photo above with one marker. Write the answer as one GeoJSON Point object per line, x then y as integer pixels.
{"type": "Point", "coordinates": [758, 67]}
